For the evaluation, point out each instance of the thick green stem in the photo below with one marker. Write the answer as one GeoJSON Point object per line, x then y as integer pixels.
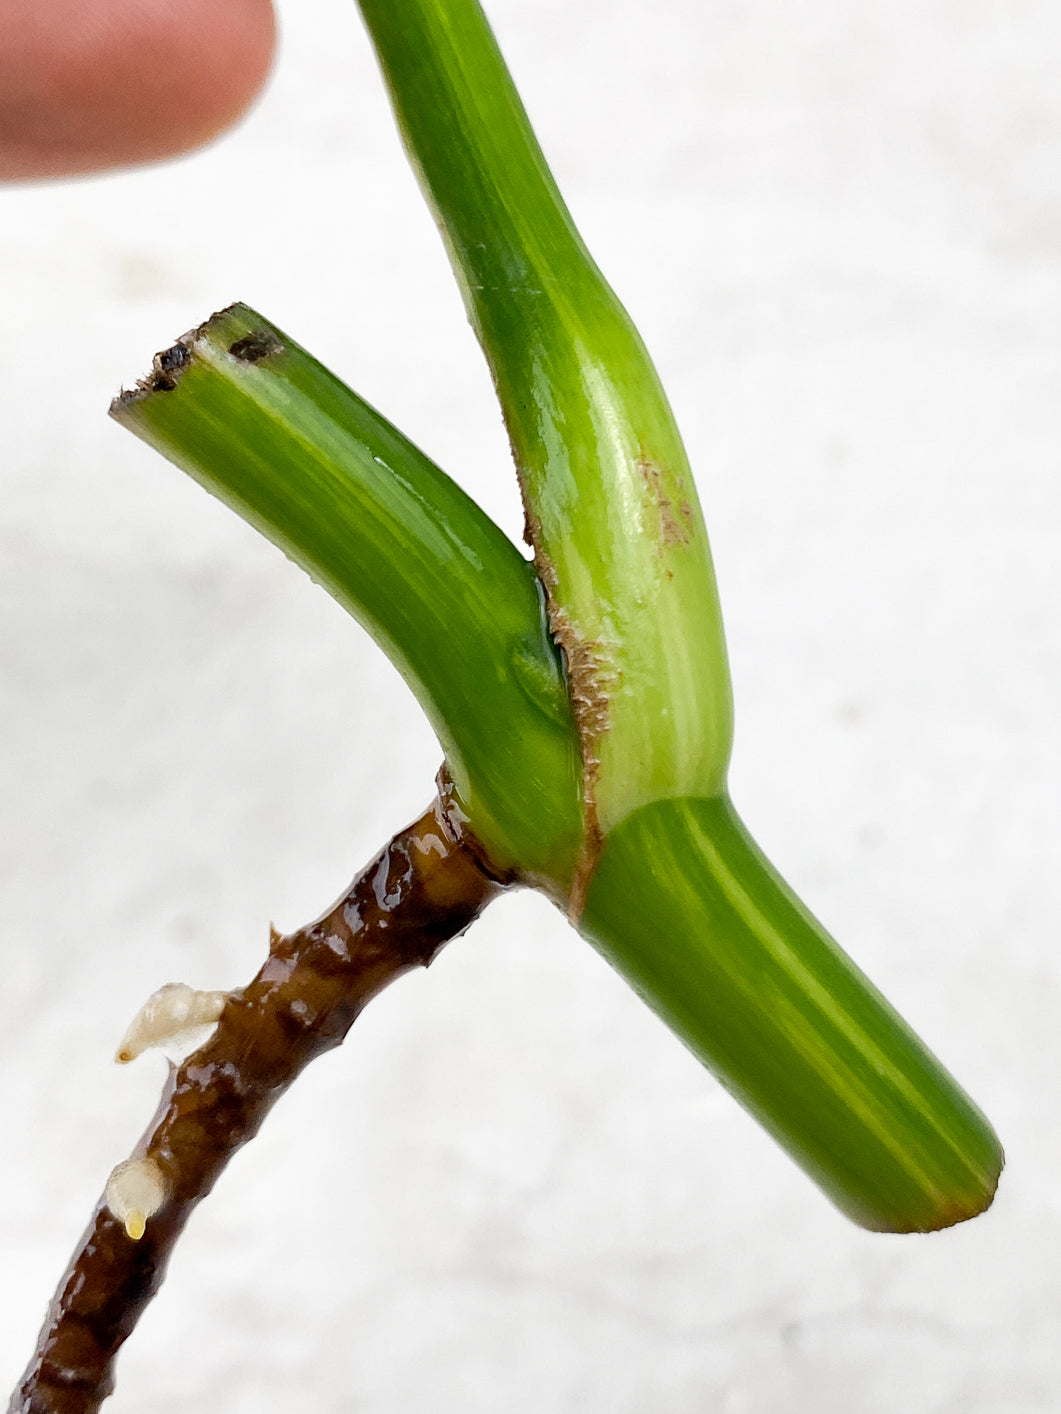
{"type": "Point", "coordinates": [680, 901]}
{"type": "Point", "coordinates": [684, 905]}
{"type": "Point", "coordinates": [612, 509]}
{"type": "Point", "coordinates": [678, 896]}
{"type": "Point", "coordinates": [258, 422]}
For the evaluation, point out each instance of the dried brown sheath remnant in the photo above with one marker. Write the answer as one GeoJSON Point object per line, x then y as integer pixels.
{"type": "Point", "coordinates": [422, 890]}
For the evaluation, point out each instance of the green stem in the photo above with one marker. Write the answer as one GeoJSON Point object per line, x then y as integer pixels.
{"type": "Point", "coordinates": [679, 898]}
{"type": "Point", "coordinates": [260, 424]}
{"type": "Point", "coordinates": [669, 885]}
{"type": "Point", "coordinates": [612, 508]}
{"type": "Point", "coordinates": [681, 902]}
{"type": "Point", "coordinates": [684, 905]}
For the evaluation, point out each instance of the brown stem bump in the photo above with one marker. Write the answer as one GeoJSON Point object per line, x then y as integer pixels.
{"type": "Point", "coordinates": [423, 889]}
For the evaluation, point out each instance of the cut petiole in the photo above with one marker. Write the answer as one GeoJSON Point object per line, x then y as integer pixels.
{"type": "Point", "coordinates": [264, 427]}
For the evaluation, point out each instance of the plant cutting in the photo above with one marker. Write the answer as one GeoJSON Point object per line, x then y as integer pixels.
{"type": "Point", "coordinates": [581, 701]}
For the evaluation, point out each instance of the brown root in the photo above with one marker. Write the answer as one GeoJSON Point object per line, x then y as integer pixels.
{"type": "Point", "coordinates": [424, 888]}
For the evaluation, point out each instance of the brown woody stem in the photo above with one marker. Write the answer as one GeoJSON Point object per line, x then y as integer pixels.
{"type": "Point", "coordinates": [424, 888]}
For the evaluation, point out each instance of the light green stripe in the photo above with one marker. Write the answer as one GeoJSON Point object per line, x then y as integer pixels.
{"type": "Point", "coordinates": [855, 1094]}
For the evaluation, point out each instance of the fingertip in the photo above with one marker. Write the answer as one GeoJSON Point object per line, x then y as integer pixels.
{"type": "Point", "coordinates": [88, 87]}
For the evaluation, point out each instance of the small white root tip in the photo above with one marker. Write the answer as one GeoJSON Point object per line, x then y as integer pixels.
{"type": "Point", "coordinates": [135, 1191]}
{"type": "Point", "coordinates": [176, 1018]}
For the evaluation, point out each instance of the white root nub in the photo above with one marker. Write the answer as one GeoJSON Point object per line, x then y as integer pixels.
{"type": "Point", "coordinates": [135, 1191]}
{"type": "Point", "coordinates": [176, 1017]}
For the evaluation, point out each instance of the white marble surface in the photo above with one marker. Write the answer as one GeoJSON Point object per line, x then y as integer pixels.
{"type": "Point", "coordinates": [840, 229]}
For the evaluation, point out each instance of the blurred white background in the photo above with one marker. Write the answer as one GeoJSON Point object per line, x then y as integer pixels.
{"type": "Point", "coordinates": [839, 227]}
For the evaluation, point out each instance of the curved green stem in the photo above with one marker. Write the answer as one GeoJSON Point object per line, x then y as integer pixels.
{"type": "Point", "coordinates": [260, 424]}
{"type": "Point", "coordinates": [679, 898]}
{"type": "Point", "coordinates": [684, 905]}
{"type": "Point", "coordinates": [608, 782]}
{"type": "Point", "coordinates": [681, 901]}
{"type": "Point", "coordinates": [612, 509]}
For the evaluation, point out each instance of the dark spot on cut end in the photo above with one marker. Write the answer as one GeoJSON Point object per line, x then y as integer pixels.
{"type": "Point", "coordinates": [169, 360]}
{"type": "Point", "coordinates": [252, 348]}
{"type": "Point", "coordinates": [166, 369]}
{"type": "Point", "coordinates": [167, 366]}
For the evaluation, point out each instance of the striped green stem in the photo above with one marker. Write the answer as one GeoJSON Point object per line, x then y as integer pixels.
{"type": "Point", "coordinates": [258, 422]}
{"type": "Point", "coordinates": [669, 885]}
{"type": "Point", "coordinates": [681, 901]}
{"type": "Point", "coordinates": [684, 905]}
{"type": "Point", "coordinates": [612, 509]}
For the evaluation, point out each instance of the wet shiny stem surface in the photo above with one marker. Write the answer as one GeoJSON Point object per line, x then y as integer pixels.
{"type": "Point", "coordinates": [423, 889]}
